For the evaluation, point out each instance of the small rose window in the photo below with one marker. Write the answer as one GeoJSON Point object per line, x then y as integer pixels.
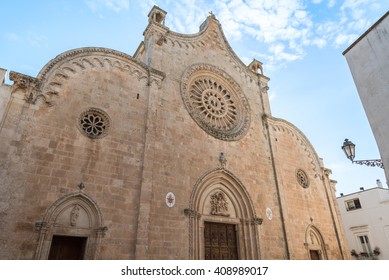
{"type": "Point", "coordinates": [302, 178]}
{"type": "Point", "coordinates": [94, 123]}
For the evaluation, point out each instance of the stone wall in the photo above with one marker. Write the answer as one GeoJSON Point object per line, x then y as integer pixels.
{"type": "Point", "coordinates": [96, 141]}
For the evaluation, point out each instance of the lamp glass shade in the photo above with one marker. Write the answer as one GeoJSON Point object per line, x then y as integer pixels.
{"type": "Point", "coordinates": [349, 149]}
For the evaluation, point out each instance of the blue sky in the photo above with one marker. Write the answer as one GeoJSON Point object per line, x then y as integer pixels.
{"type": "Point", "coordinates": [299, 42]}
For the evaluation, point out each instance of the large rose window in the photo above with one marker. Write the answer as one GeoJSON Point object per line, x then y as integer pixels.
{"type": "Point", "coordinates": [215, 102]}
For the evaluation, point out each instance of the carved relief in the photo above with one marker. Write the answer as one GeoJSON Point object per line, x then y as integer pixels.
{"type": "Point", "coordinates": [74, 215]}
{"type": "Point", "coordinates": [220, 197]}
{"type": "Point", "coordinates": [215, 102]}
{"type": "Point", "coordinates": [219, 204]}
{"type": "Point", "coordinates": [28, 85]}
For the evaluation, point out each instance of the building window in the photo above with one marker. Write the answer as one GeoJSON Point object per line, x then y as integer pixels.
{"type": "Point", "coordinates": [302, 178]}
{"type": "Point", "coordinates": [353, 204]}
{"type": "Point", "coordinates": [365, 244]}
{"type": "Point", "coordinates": [215, 102]}
{"type": "Point", "coordinates": [94, 123]}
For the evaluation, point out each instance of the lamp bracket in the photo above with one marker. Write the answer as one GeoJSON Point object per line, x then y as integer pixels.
{"type": "Point", "coordinates": [370, 162]}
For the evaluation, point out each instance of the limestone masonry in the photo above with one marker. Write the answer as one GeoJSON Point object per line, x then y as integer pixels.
{"type": "Point", "coordinates": [171, 153]}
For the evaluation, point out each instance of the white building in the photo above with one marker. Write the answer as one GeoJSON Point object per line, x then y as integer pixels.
{"type": "Point", "coordinates": [368, 60]}
{"type": "Point", "coordinates": [365, 216]}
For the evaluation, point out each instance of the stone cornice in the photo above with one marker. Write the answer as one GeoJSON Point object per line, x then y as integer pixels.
{"type": "Point", "coordinates": [23, 81]}
{"type": "Point", "coordinates": [30, 86]}
{"type": "Point", "coordinates": [89, 51]}
{"type": "Point", "coordinates": [69, 63]}
{"type": "Point", "coordinates": [282, 125]}
{"type": "Point", "coordinates": [207, 32]}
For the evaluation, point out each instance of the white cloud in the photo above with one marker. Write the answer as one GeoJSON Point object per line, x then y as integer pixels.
{"type": "Point", "coordinates": [115, 5]}
{"type": "Point", "coordinates": [331, 3]}
{"type": "Point", "coordinates": [13, 37]}
{"type": "Point", "coordinates": [37, 40]}
{"type": "Point", "coordinates": [319, 42]}
{"type": "Point", "coordinates": [283, 29]}
{"type": "Point", "coordinates": [345, 39]}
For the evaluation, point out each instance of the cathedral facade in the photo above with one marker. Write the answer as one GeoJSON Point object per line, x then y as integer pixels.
{"type": "Point", "coordinates": [171, 153]}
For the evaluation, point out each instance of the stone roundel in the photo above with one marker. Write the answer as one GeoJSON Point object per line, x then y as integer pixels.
{"type": "Point", "coordinates": [94, 123]}
{"type": "Point", "coordinates": [302, 178]}
{"type": "Point", "coordinates": [215, 102]}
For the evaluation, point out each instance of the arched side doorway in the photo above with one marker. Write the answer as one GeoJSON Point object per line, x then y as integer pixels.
{"type": "Point", "coordinates": [71, 229]}
{"type": "Point", "coordinates": [315, 244]}
{"type": "Point", "coordinates": [222, 220]}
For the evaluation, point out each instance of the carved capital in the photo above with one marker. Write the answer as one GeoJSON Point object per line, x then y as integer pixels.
{"type": "Point", "coordinates": [100, 232]}
{"type": "Point", "coordinates": [190, 213]}
{"type": "Point", "coordinates": [41, 227]}
{"type": "Point", "coordinates": [327, 172]}
{"type": "Point", "coordinates": [29, 85]}
{"type": "Point", "coordinates": [23, 81]}
{"type": "Point", "coordinates": [256, 221]}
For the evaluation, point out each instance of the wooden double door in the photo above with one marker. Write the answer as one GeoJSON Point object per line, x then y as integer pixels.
{"type": "Point", "coordinates": [220, 241]}
{"type": "Point", "coordinates": [67, 248]}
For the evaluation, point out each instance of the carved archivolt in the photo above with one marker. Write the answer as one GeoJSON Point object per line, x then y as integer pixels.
{"type": "Point", "coordinates": [218, 196]}
{"type": "Point", "coordinates": [51, 78]}
{"type": "Point", "coordinates": [314, 242]}
{"type": "Point", "coordinates": [283, 126]}
{"type": "Point", "coordinates": [76, 215]}
{"type": "Point", "coordinates": [215, 102]}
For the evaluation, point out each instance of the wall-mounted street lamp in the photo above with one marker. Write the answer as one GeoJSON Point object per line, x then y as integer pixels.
{"type": "Point", "coordinates": [349, 150]}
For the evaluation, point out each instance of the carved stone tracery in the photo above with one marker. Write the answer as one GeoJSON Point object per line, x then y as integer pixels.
{"type": "Point", "coordinates": [302, 178]}
{"type": "Point", "coordinates": [94, 123]}
{"type": "Point", "coordinates": [215, 102]}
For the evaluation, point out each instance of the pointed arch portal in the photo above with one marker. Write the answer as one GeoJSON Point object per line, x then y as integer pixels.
{"type": "Point", "coordinates": [222, 220]}
{"type": "Point", "coordinates": [71, 229]}
{"type": "Point", "coordinates": [315, 244]}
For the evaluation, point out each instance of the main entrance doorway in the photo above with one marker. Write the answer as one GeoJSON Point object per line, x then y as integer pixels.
{"type": "Point", "coordinates": [220, 241]}
{"type": "Point", "coordinates": [314, 254]}
{"type": "Point", "coordinates": [67, 248]}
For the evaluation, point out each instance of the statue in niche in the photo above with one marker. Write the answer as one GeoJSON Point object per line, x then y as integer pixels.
{"type": "Point", "coordinates": [219, 204]}
{"type": "Point", "coordinates": [74, 215]}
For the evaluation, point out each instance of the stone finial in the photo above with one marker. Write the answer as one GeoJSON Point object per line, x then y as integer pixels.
{"type": "Point", "coordinates": [256, 66]}
{"type": "Point", "coordinates": [81, 186]}
{"type": "Point", "coordinates": [222, 160]}
{"type": "Point", "coordinates": [157, 15]}
{"type": "Point", "coordinates": [3, 74]}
